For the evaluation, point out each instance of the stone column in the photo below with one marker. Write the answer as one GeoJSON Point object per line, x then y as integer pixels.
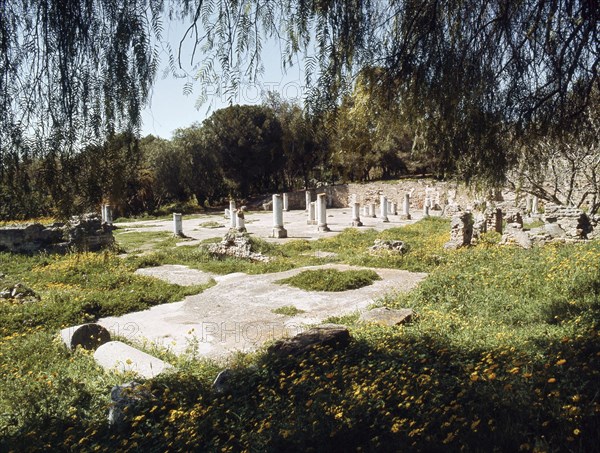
{"type": "Point", "coordinates": [528, 203]}
{"type": "Point", "coordinates": [426, 210]}
{"type": "Point", "coordinates": [278, 230]}
{"type": "Point", "coordinates": [177, 225]}
{"type": "Point", "coordinates": [312, 215]}
{"type": "Point", "coordinates": [365, 210]}
{"type": "Point", "coordinates": [372, 210]}
{"type": "Point", "coordinates": [107, 210]}
{"type": "Point", "coordinates": [384, 208]}
{"type": "Point", "coordinates": [286, 202]}
{"type": "Point", "coordinates": [394, 209]}
{"type": "Point", "coordinates": [322, 212]}
{"type": "Point", "coordinates": [356, 215]}
{"type": "Point", "coordinates": [241, 223]}
{"type": "Point", "coordinates": [534, 206]}
{"type": "Point", "coordinates": [308, 198]}
{"type": "Point", "coordinates": [103, 213]}
{"type": "Point", "coordinates": [232, 217]}
{"type": "Point", "coordinates": [406, 207]}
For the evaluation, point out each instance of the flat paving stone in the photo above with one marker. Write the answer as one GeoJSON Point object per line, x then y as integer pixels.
{"type": "Point", "coordinates": [177, 274]}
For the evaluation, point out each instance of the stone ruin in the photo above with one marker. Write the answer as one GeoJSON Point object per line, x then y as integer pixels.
{"type": "Point", "coordinates": [561, 224]}
{"type": "Point", "coordinates": [461, 231]}
{"type": "Point", "coordinates": [235, 244]}
{"type": "Point", "coordinates": [86, 232]}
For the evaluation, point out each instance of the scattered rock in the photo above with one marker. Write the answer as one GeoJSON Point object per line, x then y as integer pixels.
{"type": "Point", "coordinates": [391, 246]}
{"type": "Point", "coordinates": [236, 244]}
{"type": "Point", "coordinates": [124, 401]}
{"type": "Point", "coordinates": [387, 316]}
{"type": "Point", "coordinates": [331, 335]}
{"type": "Point", "coordinates": [88, 336]}
{"type": "Point", "coordinates": [514, 235]}
{"type": "Point", "coordinates": [20, 293]}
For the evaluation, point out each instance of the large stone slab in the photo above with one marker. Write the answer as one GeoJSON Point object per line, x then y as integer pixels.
{"type": "Point", "coordinates": [121, 357]}
{"type": "Point", "coordinates": [331, 335]}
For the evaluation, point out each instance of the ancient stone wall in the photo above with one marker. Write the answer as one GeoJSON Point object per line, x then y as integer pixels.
{"type": "Point", "coordinates": [85, 232]}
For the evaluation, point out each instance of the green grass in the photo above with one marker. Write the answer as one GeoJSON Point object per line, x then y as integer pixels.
{"type": "Point", "coordinates": [504, 355]}
{"type": "Point", "coordinates": [287, 310]}
{"type": "Point", "coordinates": [140, 241]}
{"type": "Point", "coordinates": [331, 280]}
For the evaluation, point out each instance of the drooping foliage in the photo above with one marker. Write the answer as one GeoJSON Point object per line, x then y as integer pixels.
{"type": "Point", "coordinates": [469, 79]}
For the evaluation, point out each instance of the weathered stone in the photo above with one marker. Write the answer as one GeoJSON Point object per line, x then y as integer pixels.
{"type": "Point", "coordinates": [387, 316]}
{"type": "Point", "coordinates": [514, 235]}
{"type": "Point", "coordinates": [237, 245]}
{"type": "Point", "coordinates": [125, 399]}
{"type": "Point", "coordinates": [331, 335]}
{"type": "Point", "coordinates": [461, 231]}
{"type": "Point", "coordinates": [388, 246]}
{"type": "Point", "coordinates": [88, 336]}
{"type": "Point", "coordinates": [118, 356]}
{"type": "Point", "coordinates": [223, 381]}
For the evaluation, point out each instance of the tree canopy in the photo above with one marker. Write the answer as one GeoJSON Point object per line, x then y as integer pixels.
{"type": "Point", "coordinates": [471, 77]}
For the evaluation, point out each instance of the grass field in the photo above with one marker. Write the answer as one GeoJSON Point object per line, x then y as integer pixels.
{"type": "Point", "coordinates": [504, 355]}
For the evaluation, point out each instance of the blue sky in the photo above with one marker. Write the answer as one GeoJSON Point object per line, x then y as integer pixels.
{"type": "Point", "coordinates": [170, 108]}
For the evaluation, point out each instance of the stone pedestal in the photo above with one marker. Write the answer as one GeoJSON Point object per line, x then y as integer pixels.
{"type": "Point", "coordinates": [383, 205]}
{"type": "Point", "coordinates": [406, 207]}
{"type": "Point", "coordinates": [426, 210]}
{"type": "Point", "coordinates": [322, 212]}
{"type": "Point", "coordinates": [356, 215]}
{"type": "Point", "coordinates": [278, 230]}
{"type": "Point", "coordinates": [177, 224]}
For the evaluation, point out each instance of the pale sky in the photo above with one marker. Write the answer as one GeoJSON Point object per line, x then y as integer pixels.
{"type": "Point", "coordinates": [170, 108]}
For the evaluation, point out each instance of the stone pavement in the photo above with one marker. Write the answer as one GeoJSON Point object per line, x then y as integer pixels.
{"type": "Point", "coordinates": [236, 314]}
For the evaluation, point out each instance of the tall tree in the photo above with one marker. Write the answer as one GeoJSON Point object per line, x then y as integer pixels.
{"type": "Point", "coordinates": [247, 141]}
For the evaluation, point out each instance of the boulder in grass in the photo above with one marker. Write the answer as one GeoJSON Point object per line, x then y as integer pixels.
{"type": "Point", "coordinates": [124, 401]}
{"type": "Point", "coordinates": [332, 335]}
{"type": "Point", "coordinates": [387, 316]}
